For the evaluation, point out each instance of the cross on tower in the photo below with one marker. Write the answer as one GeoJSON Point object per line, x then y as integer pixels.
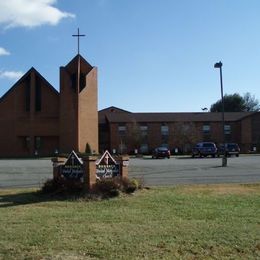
{"type": "Point", "coordinates": [78, 35]}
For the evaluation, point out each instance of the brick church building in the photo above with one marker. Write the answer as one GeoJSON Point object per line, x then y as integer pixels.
{"type": "Point", "coordinates": [36, 119]}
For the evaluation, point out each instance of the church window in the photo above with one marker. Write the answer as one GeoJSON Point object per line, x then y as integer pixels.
{"type": "Point", "coordinates": [38, 95]}
{"type": "Point", "coordinates": [37, 142]}
{"type": "Point", "coordinates": [27, 93]}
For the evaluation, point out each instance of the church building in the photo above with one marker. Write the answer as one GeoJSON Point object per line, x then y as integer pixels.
{"type": "Point", "coordinates": [36, 119]}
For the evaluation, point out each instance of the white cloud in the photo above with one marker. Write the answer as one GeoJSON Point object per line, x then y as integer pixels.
{"type": "Point", "coordinates": [11, 75]}
{"type": "Point", "coordinates": [4, 52]}
{"type": "Point", "coordinates": [30, 13]}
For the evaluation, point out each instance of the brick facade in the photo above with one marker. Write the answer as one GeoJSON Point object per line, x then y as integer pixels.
{"type": "Point", "coordinates": [124, 131]}
{"type": "Point", "coordinates": [36, 119]}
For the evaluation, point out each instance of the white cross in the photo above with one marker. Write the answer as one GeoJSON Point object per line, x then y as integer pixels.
{"type": "Point", "coordinates": [106, 159]}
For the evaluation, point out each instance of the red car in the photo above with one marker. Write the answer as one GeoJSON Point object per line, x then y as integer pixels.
{"type": "Point", "coordinates": [161, 152]}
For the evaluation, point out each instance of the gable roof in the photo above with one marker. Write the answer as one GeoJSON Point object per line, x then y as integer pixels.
{"type": "Point", "coordinates": [84, 65]}
{"type": "Point", "coordinates": [31, 70]}
{"type": "Point", "coordinates": [102, 114]}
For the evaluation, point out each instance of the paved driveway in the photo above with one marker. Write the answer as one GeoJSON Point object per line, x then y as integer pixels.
{"type": "Point", "coordinates": [244, 169]}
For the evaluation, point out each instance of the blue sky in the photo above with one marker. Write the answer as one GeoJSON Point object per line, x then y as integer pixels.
{"type": "Point", "coordinates": [152, 55]}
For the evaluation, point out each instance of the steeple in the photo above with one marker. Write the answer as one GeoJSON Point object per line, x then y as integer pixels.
{"type": "Point", "coordinates": [78, 105]}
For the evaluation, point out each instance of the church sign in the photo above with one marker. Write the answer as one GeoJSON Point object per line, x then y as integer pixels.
{"type": "Point", "coordinates": [107, 167]}
{"type": "Point", "coordinates": [73, 167]}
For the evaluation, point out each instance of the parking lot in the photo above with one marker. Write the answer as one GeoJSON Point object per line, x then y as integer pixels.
{"type": "Point", "coordinates": [176, 170]}
{"type": "Point", "coordinates": [185, 170]}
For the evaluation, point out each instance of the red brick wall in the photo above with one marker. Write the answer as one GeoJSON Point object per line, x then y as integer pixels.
{"type": "Point", "coordinates": [16, 123]}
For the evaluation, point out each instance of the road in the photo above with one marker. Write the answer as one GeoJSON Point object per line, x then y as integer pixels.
{"type": "Point", "coordinates": [181, 170]}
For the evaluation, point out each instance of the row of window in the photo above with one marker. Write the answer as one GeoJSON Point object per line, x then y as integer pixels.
{"type": "Point", "coordinates": [165, 129]}
{"type": "Point", "coordinates": [206, 129]}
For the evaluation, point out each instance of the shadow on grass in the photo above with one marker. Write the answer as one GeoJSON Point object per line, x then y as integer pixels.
{"type": "Point", "coordinates": [32, 197]}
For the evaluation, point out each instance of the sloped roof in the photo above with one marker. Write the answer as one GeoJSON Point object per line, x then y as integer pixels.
{"type": "Point", "coordinates": [124, 117]}
{"type": "Point", "coordinates": [102, 114]}
{"type": "Point", "coordinates": [32, 69]}
{"type": "Point", "coordinates": [84, 65]}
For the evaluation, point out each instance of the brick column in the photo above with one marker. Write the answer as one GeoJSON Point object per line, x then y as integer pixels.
{"type": "Point", "coordinates": [124, 162]}
{"type": "Point", "coordinates": [89, 167]}
{"type": "Point", "coordinates": [56, 163]}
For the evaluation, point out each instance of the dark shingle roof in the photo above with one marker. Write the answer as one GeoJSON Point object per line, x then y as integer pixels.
{"type": "Point", "coordinates": [125, 117]}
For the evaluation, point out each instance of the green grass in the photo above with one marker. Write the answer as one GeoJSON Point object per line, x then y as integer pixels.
{"type": "Point", "coordinates": [183, 222]}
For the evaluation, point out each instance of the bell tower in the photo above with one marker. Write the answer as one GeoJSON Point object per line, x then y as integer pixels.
{"type": "Point", "coordinates": [78, 105]}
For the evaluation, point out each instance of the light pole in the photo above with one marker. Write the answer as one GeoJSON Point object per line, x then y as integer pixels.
{"type": "Point", "coordinates": [218, 65]}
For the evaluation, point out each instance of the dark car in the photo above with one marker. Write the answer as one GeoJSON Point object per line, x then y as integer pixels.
{"type": "Point", "coordinates": [229, 149]}
{"type": "Point", "coordinates": [204, 149]}
{"type": "Point", "coordinates": [161, 152]}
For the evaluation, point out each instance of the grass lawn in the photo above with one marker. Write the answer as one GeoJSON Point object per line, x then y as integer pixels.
{"type": "Point", "coordinates": [182, 222]}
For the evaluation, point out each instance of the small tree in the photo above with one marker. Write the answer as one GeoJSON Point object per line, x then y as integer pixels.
{"type": "Point", "coordinates": [185, 134]}
{"type": "Point", "coordinates": [134, 136]}
{"type": "Point", "coordinates": [88, 149]}
{"type": "Point", "coordinates": [251, 103]}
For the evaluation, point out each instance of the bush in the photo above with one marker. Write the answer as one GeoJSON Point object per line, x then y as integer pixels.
{"type": "Point", "coordinates": [104, 188]}
{"type": "Point", "coordinates": [50, 186]}
{"type": "Point", "coordinates": [107, 187]}
{"type": "Point", "coordinates": [62, 186]}
{"type": "Point", "coordinates": [129, 186]}
{"type": "Point", "coordinates": [113, 186]}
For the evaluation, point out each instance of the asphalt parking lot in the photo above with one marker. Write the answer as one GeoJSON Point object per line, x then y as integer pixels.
{"type": "Point", "coordinates": [186, 170]}
{"type": "Point", "coordinates": [176, 170]}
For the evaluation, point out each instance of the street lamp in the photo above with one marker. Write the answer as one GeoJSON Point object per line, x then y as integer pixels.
{"type": "Point", "coordinates": [218, 65]}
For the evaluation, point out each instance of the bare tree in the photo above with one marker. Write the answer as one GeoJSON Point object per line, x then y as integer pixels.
{"type": "Point", "coordinates": [251, 103]}
{"type": "Point", "coordinates": [186, 135]}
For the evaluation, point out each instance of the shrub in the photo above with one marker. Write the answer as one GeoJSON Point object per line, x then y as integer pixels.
{"type": "Point", "coordinates": [104, 188]}
{"type": "Point", "coordinates": [62, 186]}
{"type": "Point", "coordinates": [107, 187]}
{"type": "Point", "coordinates": [88, 149]}
{"type": "Point", "coordinates": [50, 186]}
{"type": "Point", "coordinates": [129, 185]}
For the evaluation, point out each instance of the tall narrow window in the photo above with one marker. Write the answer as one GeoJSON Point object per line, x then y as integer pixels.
{"type": "Point", "coordinates": [37, 142]}
{"type": "Point", "coordinates": [27, 93]}
{"type": "Point", "coordinates": [38, 95]}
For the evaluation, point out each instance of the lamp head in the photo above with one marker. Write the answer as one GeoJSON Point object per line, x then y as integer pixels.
{"type": "Point", "coordinates": [218, 65]}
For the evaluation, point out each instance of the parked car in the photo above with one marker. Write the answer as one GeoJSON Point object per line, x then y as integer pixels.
{"type": "Point", "coordinates": [161, 152]}
{"type": "Point", "coordinates": [229, 149]}
{"type": "Point", "coordinates": [204, 149]}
